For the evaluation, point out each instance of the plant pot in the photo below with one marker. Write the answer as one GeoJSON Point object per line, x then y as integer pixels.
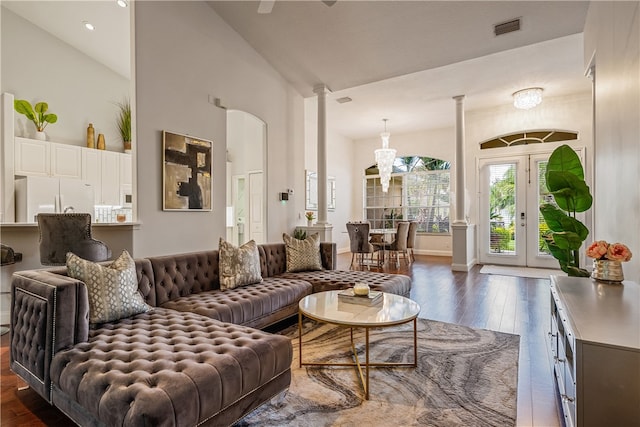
{"type": "Point", "coordinates": [309, 222]}
{"type": "Point", "coordinates": [607, 271]}
{"type": "Point", "coordinates": [40, 136]}
{"type": "Point", "coordinates": [127, 146]}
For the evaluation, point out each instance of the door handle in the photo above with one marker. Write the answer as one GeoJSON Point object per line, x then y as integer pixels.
{"type": "Point", "coordinates": [522, 218]}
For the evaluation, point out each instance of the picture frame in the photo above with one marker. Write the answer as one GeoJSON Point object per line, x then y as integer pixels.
{"type": "Point", "coordinates": [187, 171]}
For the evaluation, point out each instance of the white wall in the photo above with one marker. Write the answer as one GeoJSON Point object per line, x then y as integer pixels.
{"type": "Point", "coordinates": [185, 52]}
{"type": "Point", "coordinates": [612, 37]}
{"type": "Point", "coordinates": [37, 66]}
{"type": "Point", "coordinates": [567, 112]}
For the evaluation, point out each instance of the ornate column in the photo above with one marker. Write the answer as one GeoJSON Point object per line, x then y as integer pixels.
{"type": "Point", "coordinates": [463, 245]}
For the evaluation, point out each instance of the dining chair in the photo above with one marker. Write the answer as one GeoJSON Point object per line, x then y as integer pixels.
{"type": "Point", "coordinates": [399, 244]}
{"type": "Point", "coordinates": [411, 239]}
{"type": "Point", "coordinates": [359, 241]}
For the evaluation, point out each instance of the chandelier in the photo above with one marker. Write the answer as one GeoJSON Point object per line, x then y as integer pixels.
{"type": "Point", "coordinates": [385, 157]}
{"type": "Point", "coordinates": [526, 99]}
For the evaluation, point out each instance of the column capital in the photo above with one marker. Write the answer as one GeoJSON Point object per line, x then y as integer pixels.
{"type": "Point", "coordinates": [459, 97]}
{"type": "Point", "coordinates": [320, 89]}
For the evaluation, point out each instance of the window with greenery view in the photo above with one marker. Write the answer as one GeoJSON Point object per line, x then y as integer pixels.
{"type": "Point", "coordinates": [418, 191]}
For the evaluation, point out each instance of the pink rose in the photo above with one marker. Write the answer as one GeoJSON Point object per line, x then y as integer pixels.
{"type": "Point", "coordinates": [618, 252]}
{"type": "Point", "coordinates": [598, 249]}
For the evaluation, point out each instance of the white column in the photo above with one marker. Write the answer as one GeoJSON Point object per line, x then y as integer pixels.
{"type": "Point", "coordinates": [321, 91]}
{"type": "Point", "coordinates": [463, 233]}
{"type": "Point", "coordinates": [459, 161]}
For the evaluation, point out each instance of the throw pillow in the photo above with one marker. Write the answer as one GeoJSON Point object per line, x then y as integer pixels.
{"type": "Point", "coordinates": [113, 288]}
{"type": "Point", "coordinates": [239, 266]}
{"type": "Point", "coordinates": [302, 255]}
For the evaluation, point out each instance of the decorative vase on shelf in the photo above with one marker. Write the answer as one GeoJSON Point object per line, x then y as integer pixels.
{"type": "Point", "coordinates": [101, 143]}
{"type": "Point", "coordinates": [91, 136]}
{"type": "Point", "coordinates": [607, 271]}
{"type": "Point", "coordinates": [309, 222]}
{"type": "Point", "coordinates": [127, 146]}
{"type": "Point", "coordinates": [40, 136]}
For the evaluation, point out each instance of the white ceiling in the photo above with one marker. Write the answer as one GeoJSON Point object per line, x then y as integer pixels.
{"type": "Point", "coordinates": [405, 60]}
{"type": "Point", "coordinates": [401, 60]}
{"type": "Point", "coordinates": [108, 44]}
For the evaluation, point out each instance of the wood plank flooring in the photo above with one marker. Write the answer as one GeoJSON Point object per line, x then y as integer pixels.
{"type": "Point", "coordinates": [507, 304]}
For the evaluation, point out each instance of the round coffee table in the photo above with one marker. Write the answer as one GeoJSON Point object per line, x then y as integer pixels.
{"type": "Point", "coordinates": [391, 310]}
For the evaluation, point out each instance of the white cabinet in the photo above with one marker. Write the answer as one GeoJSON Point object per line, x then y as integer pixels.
{"type": "Point", "coordinates": [110, 178]}
{"type": "Point", "coordinates": [66, 160]}
{"type": "Point", "coordinates": [45, 158]}
{"type": "Point", "coordinates": [31, 157]}
{"type": "Point", "coordinates": [92, 171]}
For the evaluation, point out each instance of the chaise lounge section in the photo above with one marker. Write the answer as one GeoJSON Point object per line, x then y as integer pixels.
{"type": "Point", "coordinates": [198, 357]}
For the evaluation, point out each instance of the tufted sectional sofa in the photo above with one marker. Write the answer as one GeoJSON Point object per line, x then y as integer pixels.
{"type": "Point", "coordinates": [199, 357]}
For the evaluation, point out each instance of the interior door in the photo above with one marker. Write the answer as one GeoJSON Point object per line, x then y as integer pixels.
{"type": "Point", "coordinates": [511, 189]}
{"type": "Point", "coordinates": [256, 207]}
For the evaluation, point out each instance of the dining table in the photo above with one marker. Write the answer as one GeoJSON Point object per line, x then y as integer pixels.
{"type": "Point", "coordinates": [382, 237]}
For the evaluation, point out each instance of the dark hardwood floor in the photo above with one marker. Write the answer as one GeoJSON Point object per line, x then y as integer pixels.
{"type": "Point", "coordinates": [507, 304]}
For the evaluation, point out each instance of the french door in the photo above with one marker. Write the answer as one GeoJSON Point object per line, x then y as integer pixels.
{"type": "Point", "coordinates": [511, 226]}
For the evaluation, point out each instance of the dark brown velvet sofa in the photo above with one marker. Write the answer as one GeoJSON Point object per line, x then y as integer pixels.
{"type": "Point", "coordinates": [199, 357]}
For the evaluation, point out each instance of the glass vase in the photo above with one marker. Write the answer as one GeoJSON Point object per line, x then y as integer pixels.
{"type": "Point", "coordinates": [607, 271]}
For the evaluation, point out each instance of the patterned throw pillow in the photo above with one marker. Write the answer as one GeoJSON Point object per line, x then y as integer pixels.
{"type": "Point", "coordinates": [113, 289]}
{"type": "Point", "coordinates": [302, 255]}
{"type": "Point", "coordinates": [239, 266]}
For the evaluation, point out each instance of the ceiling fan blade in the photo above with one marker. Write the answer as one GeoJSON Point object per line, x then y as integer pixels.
{"type": "Point", "coordinates": [266, 6]}
{"type": "Point", "coordinates": [329, 2]}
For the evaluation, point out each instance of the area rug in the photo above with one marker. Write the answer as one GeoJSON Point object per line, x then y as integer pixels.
{"type": "Point", "coordinates": [465, 377]}
{"type": "Point", "coordinates": [534, 273]}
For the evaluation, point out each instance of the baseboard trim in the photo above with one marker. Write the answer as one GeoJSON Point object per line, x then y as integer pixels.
{"type": "Point", "coordinates": [464, 267]}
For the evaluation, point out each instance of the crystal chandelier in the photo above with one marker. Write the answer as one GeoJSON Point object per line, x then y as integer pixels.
{"type": "Point", "coordinates": [526, 99]}
{"type": "Point", "coordinates": [385, 157]}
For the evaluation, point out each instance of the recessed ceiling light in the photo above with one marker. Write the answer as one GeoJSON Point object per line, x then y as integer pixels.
{"type": "Point", "coordinates": [122, 3]}
{"type": "Point", "coordinates": [88, 25]}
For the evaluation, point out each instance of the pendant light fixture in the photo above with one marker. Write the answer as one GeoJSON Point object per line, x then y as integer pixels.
{"type": "Point", "coordinates": [385, 157]}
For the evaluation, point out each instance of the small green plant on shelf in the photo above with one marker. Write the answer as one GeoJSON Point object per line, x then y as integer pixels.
{"type": "Point", "coordinates": [123, 121]}
{"type": "Point", "coordinates": [38, 114]}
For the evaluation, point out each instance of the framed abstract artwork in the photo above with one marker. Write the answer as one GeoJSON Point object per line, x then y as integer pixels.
{"type": "Point", "coordinates": [186, 173]}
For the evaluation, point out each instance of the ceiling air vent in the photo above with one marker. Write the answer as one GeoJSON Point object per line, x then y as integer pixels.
{"type": "Point", "coordinates": [506, 27]}
{"type": "Point", "coordinates": [343, 100]}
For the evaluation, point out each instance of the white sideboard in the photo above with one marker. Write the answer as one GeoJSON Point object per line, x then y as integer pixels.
{"type": "Point", "coordinates": [595, 345]}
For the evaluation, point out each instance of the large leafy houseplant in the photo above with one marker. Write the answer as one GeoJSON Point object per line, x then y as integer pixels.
{"type": "Point", "coordinates": [565, 181]}
{"type": "Point", "coordinates": [36, 114]}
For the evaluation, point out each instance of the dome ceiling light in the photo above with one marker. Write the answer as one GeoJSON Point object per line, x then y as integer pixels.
{"type": "Point", "coordinates": [526, 99]}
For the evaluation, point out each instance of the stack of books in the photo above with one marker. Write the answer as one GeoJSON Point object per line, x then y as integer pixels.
{"type": "Point", "coordinates": [347, 295]}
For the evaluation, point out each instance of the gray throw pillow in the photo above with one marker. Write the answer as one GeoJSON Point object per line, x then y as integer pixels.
{"type": "Point", "coordinates": [113, 288]}
{"type": "Point", "coordinates": [302, 255]}
{"type": "Point", "coordinates": [239, 266]}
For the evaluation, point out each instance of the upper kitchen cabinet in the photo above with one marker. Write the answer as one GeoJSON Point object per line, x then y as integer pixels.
{"type": "Point", "coordinates": [44, 158]}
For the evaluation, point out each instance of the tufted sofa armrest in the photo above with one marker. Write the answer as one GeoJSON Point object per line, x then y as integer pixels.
{"type": "Point", "coordinates": [50, 312]}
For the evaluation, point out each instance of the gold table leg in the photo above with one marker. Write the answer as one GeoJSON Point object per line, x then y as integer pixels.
{"type": "Point", "coordinates": [364, 377]}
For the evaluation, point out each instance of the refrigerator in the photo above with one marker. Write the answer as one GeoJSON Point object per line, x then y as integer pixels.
{"type": "Point", "coordinates": [36, 194]}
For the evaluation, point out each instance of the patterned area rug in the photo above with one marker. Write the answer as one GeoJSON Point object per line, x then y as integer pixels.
{"type": "Point", "coordinates": [465, 377]}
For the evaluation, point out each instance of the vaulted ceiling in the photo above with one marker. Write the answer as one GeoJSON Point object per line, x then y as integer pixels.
{"type": "Point", "coordinates": [404, 60]}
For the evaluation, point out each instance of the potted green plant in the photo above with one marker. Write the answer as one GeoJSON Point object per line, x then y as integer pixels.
{"type": "Point", "coordinates": [37, 115]}
{"type": "Point", "coordinates": [123, 121]}
{"type": "Point", "coordinates": [565, 181]}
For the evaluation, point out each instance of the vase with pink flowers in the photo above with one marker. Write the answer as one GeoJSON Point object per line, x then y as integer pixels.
{"type": "Point", "coordinates": [607, 260]}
